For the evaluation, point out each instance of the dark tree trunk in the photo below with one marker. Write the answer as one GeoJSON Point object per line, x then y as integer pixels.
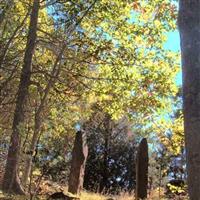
{"type": "Point", "coordinates": [142, 170]}
{"type": "Point", "coordinates": [11, 181]}
{"type": "Point", "coordinates": [189, 27]}
{"type": "Point", "coordinates": [79, 156]}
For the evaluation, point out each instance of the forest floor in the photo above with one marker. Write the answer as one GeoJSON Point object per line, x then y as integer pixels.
{"type": "Point", "coordinates": [93, 196]}
{"type": "Point", "coordinates": [47, 188]}
{"type": "Point", "coordinates": [90, 196]}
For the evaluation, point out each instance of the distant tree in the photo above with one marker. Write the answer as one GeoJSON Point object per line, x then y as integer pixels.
{"type": "Point", "coordinates": [111, 160]}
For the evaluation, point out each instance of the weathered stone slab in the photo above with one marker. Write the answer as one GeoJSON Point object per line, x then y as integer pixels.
{"type": "Point", "coordinates": [79, 156]}
{"type": "Point", "coordinates": [142, 170]}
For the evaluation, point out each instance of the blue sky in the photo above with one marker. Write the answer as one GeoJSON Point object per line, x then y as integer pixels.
{"type": "Point", "coordinates": [173, 44]}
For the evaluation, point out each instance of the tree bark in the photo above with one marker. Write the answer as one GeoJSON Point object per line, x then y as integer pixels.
{"type": "Point", "coordinates": [79, 156]}
{"type": "Point", "coordinates": [11, 182]}
{"type": "Point", "coordinates": [189, 27]}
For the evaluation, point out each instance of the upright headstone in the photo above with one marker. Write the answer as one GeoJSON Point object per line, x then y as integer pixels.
{"type": "Point", "coordinates": [142, 170]}
{"type": "Point", "coordinates": [79, 156]}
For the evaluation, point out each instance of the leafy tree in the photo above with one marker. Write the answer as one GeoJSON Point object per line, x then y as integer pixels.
{"type": "Point", "coordinates": [110, 165]}
{"type": "Point", "coordinates": [134, 67]}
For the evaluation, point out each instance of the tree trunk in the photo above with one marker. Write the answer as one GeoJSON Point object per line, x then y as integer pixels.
{"type": "Point", "coordinates": [142, 170]}
{"type": "Point", "coordinates": [11, 181]}
{"type": "Point", "coordinates": [189, 27]}
{"type": "Point", "coordinates": [79, 156]}
{"type": "Point", "coordinates": [38, 120]}
{"type": "Point", "coordinates": [29, 158]}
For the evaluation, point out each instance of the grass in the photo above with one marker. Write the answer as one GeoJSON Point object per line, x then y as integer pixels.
{"type": "Point", "coordinates": [95, 196]}
{"type": "Point", "coordinates": [92, 196]}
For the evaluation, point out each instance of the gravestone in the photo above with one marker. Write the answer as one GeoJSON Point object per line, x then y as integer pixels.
{"type": "Point", "coordinates": [79, 156]}
{"type": "Point", "coordinates": [142, 170]}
